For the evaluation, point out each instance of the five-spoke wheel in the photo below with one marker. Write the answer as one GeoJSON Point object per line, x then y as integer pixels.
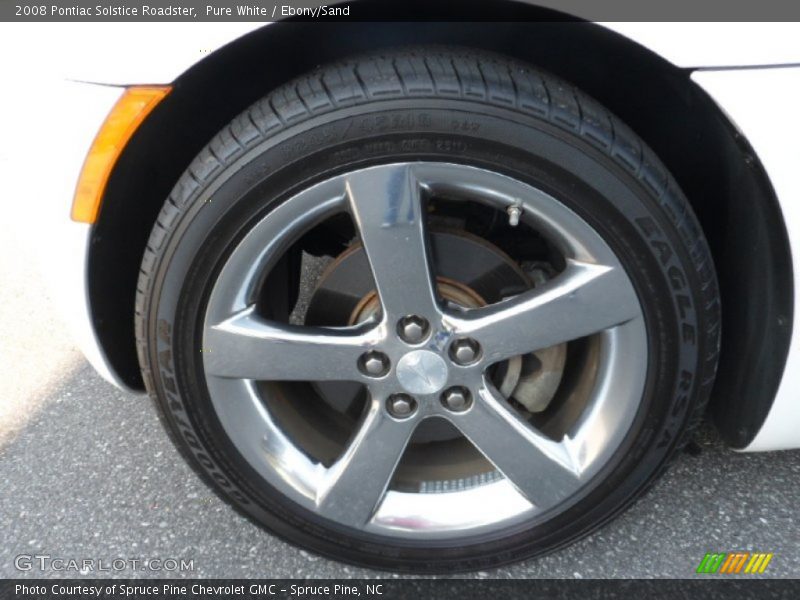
{"type": "Point", "coordinates": [420, 359]}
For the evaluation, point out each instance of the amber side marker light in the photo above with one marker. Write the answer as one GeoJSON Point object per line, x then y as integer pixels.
{"type": "Point", "coordinates": [121, 123]}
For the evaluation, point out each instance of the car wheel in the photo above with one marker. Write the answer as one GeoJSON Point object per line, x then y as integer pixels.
{"type": "Point", "coordinates": [428, 310]}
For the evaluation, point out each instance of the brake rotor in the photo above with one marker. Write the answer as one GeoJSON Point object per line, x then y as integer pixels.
{"type": "Point", "coordinates": [487, 277]}
{"type": "Point", "coordinates": [345, 295]}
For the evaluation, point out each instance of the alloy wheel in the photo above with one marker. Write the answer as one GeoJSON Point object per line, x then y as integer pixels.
{"type": "Point", "coordinates": [422, 357]}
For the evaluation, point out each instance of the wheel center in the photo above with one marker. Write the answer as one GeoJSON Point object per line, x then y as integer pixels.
{"type": "Point", "coordinates": [422, 372]}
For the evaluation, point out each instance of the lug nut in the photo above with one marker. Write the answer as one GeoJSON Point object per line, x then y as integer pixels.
{"type": "Point", "coordinates": [457, 399]}
{"type": "Point", "coordinates": [374, 363]}
{"type": "Point", "coordinates": [413, 329]}
{"type": "Point", "coordinates": [401, 405]}
{"type": "Point", "coordinates": [465, 351]}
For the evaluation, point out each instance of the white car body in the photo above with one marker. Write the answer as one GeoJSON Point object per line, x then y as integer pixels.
{"type": "Point", "coordinates": [83, 80]}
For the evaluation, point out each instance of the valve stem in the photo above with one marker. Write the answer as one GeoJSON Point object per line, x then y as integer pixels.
{"type": "Point", "coordinates": [514, 213]}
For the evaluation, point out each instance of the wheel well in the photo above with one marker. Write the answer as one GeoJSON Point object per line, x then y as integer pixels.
{"type": "Point", "coordinates": [712, 162]}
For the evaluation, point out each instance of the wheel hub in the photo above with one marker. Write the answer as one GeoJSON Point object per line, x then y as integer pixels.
{"type": "Point", "coordinates": [345, 296]}
{"type": "Point", "coordinates": [422, 372]}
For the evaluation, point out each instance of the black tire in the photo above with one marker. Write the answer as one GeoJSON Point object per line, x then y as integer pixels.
{"type": "Point", "coordinates": [434, 104]}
